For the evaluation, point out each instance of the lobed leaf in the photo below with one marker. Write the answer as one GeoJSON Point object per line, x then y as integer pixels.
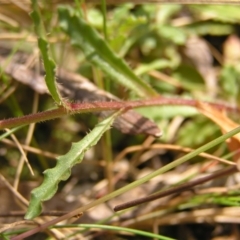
{"type": "Point", "coordinates": [62, 170]}
{"type": "Point", "coordinates": [98, 52]}
{"type": "Point", "coordinates": [49, 64]}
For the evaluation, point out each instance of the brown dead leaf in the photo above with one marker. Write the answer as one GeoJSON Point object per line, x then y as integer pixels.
{"type": "Point", "coordinates": [224, 122]}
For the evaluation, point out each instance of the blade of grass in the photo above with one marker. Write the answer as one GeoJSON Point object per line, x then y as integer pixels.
{"type": "Point", "coordinates": [4, 135]}
{"type": "Point", "coordinates": [22, 152]}
{"type": "Point", "coordinates": [103, 3]}
{"type": "Point", "coordinates": [116, 228]}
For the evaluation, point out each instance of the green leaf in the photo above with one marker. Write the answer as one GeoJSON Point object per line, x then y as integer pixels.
{"type": "Point", "coordinates": [49, 64]}
{"type": "Point", "coordinates": [62, 170]}
{"type": "Point", "coordinates": [228, 14]}
{"type": "Point", "coordinates": [95, 17]}
{"type": "Point", "coordinates": [229, 82]}
{"type": "Point", "coordinates": [97, 51]}
{"type": "Point", "coordinates": [124, 34]}
{"type": "Point", "coordinates": [166, 12]}
{"type": "Point", "coordinates": [209, 27]}
{"type": "Point", "coordinates": [187, 133]}
{"type": "Point", "coordinates": [189, 78]}
{"type": "Point", "coordinates": [123, 31]}
{"type": "Point", "coordinates": [156, 64]}
{"type": "Point", "coordinates": [173, 34]}
{"type": "Point", "coordinates": [167, 112]}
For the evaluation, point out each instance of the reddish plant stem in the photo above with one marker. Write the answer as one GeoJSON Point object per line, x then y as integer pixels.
{"type": "Point", "coordinates": [73, 108]}
{"type": "Point", "coordinates": [32, 118]}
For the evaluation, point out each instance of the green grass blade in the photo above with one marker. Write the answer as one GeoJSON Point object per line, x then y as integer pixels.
{"type": "Point", "coordinates": [9, 132]}
{"type": "Point", "coordinates": [98, 52]}
{"type": "Point", "coordinates": [117, 229]}
{"type": "Point", "coordinates": [49, 64]}
{"type": "Point", "coordinates": [62, 170]}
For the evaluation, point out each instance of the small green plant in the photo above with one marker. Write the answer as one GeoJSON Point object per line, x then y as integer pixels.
{"type": "Point", "coordinates": [156, 39]}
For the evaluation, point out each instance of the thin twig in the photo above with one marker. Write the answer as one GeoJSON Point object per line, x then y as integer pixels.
{"type": "Point", "coordinates": [15, 224]}
{"type": "Point", "coordinates": [22, 152]}
{"type": "Point", "coordinates": [7, 93]}
{"type": "Point", "coordinates": [31, 149]}
{"type": "Point", "coordinates": [22, 213]}
{"type": "Point", "coordinates": [10, 187]}
{"type": "Point", "coordinates": [178, 189]}
{"type": "Point", "coordinates": [27, 142]}
{"type": "Point", "coordinates": [131, 149]}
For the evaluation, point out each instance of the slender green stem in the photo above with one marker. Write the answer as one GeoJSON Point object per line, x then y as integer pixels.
{"type": "Point", "coordinates": [104, 11]}
{"type": "Point", "coordinates": [108, 157]}
{"type": "Point", "coordinates": [115, 228]}
{"type": "Point", "coordinates": [9, 132]}
{"type": "Point", "coordinates": [14, 49]}
{"type": "Point", "coordinates": [78, 6]}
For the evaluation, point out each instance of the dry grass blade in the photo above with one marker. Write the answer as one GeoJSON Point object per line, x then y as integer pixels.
{"type": "Point", "coordinates": [9, 91]}
{"type": "Point", "coordinates": [16, 224]}
{"type": "Point", "coordinates": [227, 215]}
{"type": "Point", "coordinates": [127, 150]}
{"type": "Point", "coordinates": [15, 193]}
{"type": "Point", "coordinates": [27, 142]}
{"type": "Point", "coordinates": [31, 149]}
{"type": "Point", "coordinates": [22, 152]}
